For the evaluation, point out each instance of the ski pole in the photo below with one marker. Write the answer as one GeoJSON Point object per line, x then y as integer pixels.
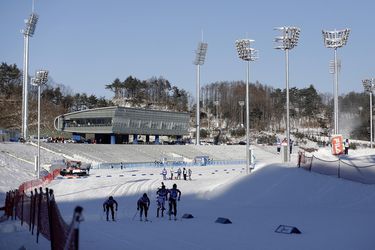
{"type": "Point", "coordinates": [135, 215]}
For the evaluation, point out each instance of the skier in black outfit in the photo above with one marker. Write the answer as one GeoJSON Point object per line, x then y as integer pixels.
{"type": "Point", "coordinates": [184, 172]}
{"type": "Point", "coordinates": [174, 194]}
{"type": "Point", "coordinates": [109, 205]}
{"type": "Point", "coordinates": [143, 204]}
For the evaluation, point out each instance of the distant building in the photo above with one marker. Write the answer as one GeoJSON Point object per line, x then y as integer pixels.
{"type": "Point", "coordinates": [115, 124]}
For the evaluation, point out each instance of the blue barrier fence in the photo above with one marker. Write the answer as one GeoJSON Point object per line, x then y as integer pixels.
{"type": "Point", "coordinates": [124, 165]}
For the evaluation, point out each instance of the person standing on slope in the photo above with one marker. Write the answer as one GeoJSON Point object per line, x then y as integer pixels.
{"type": "Point", "coordinates": [179, 174]}
{"type": "Point", "coordinates": [164, 173]}
{"type": "Point", "coordinates": [109, 205]}
{"type": "Point", "coordinates": [184, 172]}
{"type": "Point", "coordinates": [143, 204]}
{"type": "Point", "coordinates": [346, 146]}
{"type": "Point", "coordinates": [174, 196]}
{"type": "Point", "coordinates": [172, 173]}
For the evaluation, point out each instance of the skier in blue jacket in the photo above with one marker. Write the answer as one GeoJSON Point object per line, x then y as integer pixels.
{"type": "Point", "coordinates": [109, 205]}
{"type": "Point", "coordinates": [143, 204]}
{"type": "Point", "coordinates": [174, 195]}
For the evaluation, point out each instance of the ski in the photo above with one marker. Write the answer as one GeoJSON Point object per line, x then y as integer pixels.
{"type": "Point", "coordinates": [145, 221]}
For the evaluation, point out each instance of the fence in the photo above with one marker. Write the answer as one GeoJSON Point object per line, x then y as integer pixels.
{"type": "Point", "coordinates": [29, 185]}
{"type": "Point", "coordinates": [166, 164]}
{"type": "Point", "coordinates": [339, 168]}
{"type": "Point", "coordinates": [41, 213]}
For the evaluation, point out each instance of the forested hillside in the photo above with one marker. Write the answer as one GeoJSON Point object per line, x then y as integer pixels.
{"type": "Point", "coordinates": [222, 104]}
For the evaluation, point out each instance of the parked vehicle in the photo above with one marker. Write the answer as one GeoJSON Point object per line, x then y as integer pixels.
{"type": "Point", "coordinates": [75, 168]}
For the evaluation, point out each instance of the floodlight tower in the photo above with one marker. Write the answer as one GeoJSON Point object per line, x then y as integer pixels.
{"type": "Point", "coordinates": [369, 86]}
{"type": "Point", "coordinates": [335, 39]}
{"type": "Point", "coordinates": [41, 77]}
{"type": "Point", "coordinates": [199, 60]}
{"type": "Point", "coordinates": [287, 41]}
{"type": "Point", "coordinates": [30, 25]}
{"type": "Point", "coordinates": [332, 71]}
{"type": "Point", "coordinates": [246, 53]}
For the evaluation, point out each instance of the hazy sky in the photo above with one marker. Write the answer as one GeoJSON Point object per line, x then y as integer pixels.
{"type": "Point", "coordinates": [86, 44]}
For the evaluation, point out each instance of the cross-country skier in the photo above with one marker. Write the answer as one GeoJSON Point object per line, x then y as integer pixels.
{"type": "Point", "coordinates": [161, 198]}
{"type": "Point", "coordinates": [143, 204]}
{"type": "Point", "coordinates": [174, 195]}
{"type": "Point", "coordinates": [109, 205]}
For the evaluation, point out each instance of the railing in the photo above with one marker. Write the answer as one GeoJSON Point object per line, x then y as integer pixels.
{"type": "Point", "coordinates": [339, 168]}
{"type": "Point", "coordinates": [41, 213]}
{"type": "Point", "coordinates": [166, 164]}
{"type": "Point", "coordinates": [29, 185]}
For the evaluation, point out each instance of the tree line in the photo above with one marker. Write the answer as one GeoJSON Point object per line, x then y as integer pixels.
{"type": "Point", "coordinates": [154, 92]}
{"type": "Point", "coordinates": [220, 104]}
{"type": "Point", "coordinates": [267, 109]}
{"type": "Point", "coordinates": [55, 100]}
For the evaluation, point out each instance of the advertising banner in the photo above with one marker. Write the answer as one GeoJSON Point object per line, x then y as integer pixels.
{"type": "Point", "coordinates": [337, 144]}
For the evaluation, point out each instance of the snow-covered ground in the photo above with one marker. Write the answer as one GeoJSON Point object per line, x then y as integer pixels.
{"type": "Point", "coordinates": [331, 213]}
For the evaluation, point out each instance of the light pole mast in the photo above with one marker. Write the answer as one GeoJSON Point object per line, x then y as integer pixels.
{"type": "Point", "coordinates": [41, 77]}
{"type": "Point", "coordinates": [335, 39]}
{"type": "Point", "coordinates": [369, 86]}
{"type": "Point", "coordinates": [199, 60]}
{"type": "Point", "coordinates": [246, 53]}
{"type": "Point", "coordinates": [241, 103]}
{"type": "Point", "coordinates": [287, 41]}
{"type": "Point", "coordinates": [27, 32]}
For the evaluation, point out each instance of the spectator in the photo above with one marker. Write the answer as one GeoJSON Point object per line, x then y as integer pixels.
{"type": "Point", "coordinates": [179, 174]}
{"type": "Point", "coordinates": [164, 173]}
{"type": "Point", "coordinates": [346, 145]}
{"type": "Point", "coordinates": [184, 172]}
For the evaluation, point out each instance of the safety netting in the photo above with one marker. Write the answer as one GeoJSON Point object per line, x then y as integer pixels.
{"type": "Point", "coordinates": [40, 212]}
{"type": "Point", "coordinates": [346, 169]}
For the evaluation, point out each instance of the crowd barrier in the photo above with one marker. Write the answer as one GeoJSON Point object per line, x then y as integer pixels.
{"type": "Point", "coordinates": [40, 211]}
{"type": "Point", "coordinates": [29, 185]}
{"type": "Point", "coordinates": [339, 168]}
{"type": "Point", "coordinates": [166, 164]}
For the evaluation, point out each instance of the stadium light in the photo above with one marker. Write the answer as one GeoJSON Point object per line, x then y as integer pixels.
{"type": "Point", "coordinates": [41, 77]}
{"type": "Point", "coordinates": [246, 53]}
{"type": "Point", "coordinates": [28, 31]}
{"type": "Point", "coordinates": [287, 41]}
{"type": "Point", "coordinates": [335, 39]}
{"type": "Point", "coordinates": [199, 60]}
{"type": "Point", "coordinates": [369, 86]}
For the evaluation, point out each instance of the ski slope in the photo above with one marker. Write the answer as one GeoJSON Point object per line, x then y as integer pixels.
{"type": "Point", "coordinates": [331, 213]}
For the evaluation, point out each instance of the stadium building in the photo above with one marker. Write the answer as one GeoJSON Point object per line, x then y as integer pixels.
{"type": "Point", "coordinates": [116, 125]}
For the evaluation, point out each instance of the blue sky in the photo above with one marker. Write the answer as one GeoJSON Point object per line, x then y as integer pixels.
{"type": "Point", "coordinates": [86, 44]}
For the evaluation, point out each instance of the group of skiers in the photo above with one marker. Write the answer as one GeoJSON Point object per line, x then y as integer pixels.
{"type": "Point", "coordinates": [143, 203]}
{"type": "Point", "coordinates": [185, 172]}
